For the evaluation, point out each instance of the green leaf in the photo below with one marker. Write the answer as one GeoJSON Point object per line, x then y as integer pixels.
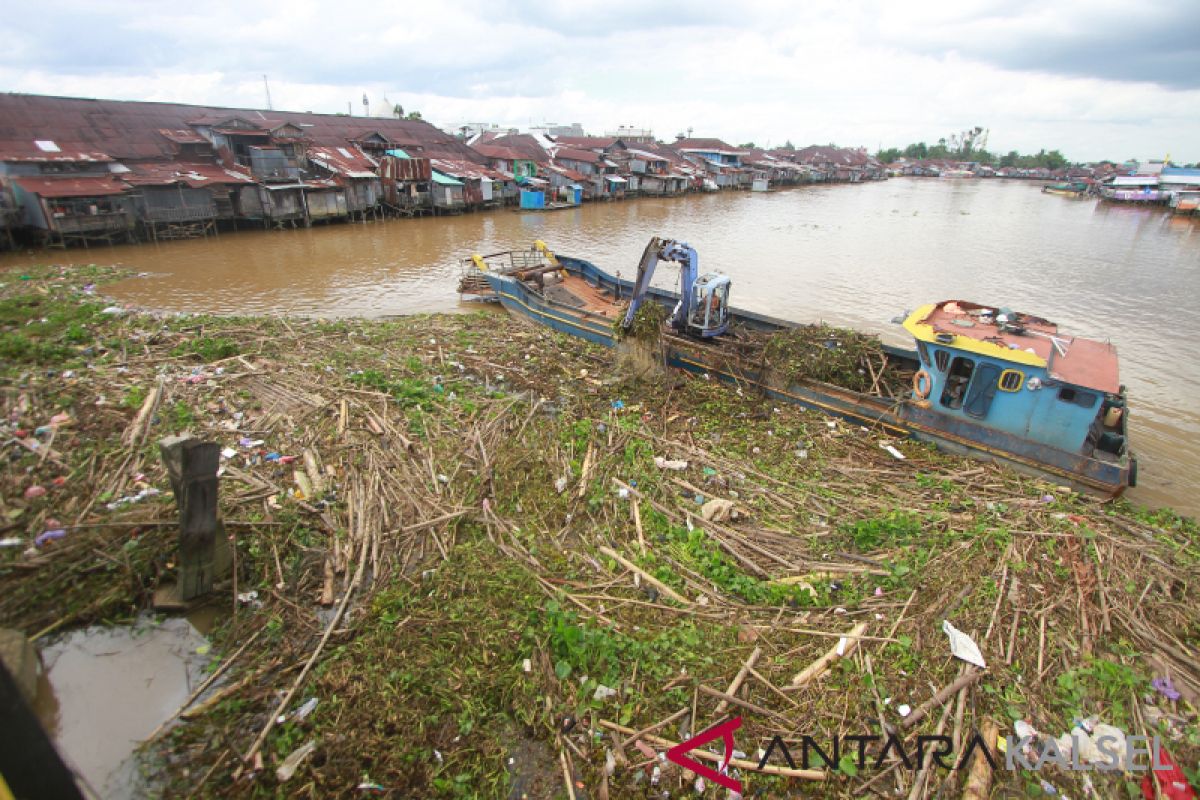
{"type": "Point", "coordinates": [847, 766]}
{"type": "Point", "coordinates": [562, 669]}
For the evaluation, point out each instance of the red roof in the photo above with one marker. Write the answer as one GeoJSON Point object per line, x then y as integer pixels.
{"type": "Point", "coordinates": [499, 151]}
{"type": "Point", "coordinates": [521, 143]}
{"type": "Point", "coordinates": [1080, 362]}
{"type": "Point", "coordinates": [572, 154]}
{"type": "Point", "coordinates": [97, 186]}
{"type": "Point", "coordinates": [157, 173]}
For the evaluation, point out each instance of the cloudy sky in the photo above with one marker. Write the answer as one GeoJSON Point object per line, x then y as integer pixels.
{"type": "Point", "coordinates": [1093, 78]}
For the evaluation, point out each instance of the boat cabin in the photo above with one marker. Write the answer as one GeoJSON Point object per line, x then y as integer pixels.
{"type": "Point", "coordinates": [1019, 374]}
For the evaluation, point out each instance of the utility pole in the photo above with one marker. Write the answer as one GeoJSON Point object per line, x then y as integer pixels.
{"type": "Point", "coordinates": [349, 109]}
{"type": "Point", "coordinates": [267, 86]}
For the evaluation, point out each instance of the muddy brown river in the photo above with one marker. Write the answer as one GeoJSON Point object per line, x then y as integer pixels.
{"type": "Point", "coordinates": [854, 255]}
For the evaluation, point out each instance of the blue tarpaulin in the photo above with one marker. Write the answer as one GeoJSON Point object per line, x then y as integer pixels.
{"type": "Point", "coordinates": [445, 180]}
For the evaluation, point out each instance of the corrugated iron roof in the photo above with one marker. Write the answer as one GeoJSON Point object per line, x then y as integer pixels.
{"type": "Point", "coordinates": [573, 154]}
{"type": "Point", "coordinates": [345, 161]}
{"type": "Point", "coordinates": [465, 169]}
{"type": "Point", "coordinates": [158, 173]}
{"type": "Point", "coordinates": [96, 186]}
{"type": "Point", "coordinates": [104, 130]}
{"type": "Point", "coordinates": [182, 136]}
{"type": "Point", "coordinates": [568, 173]}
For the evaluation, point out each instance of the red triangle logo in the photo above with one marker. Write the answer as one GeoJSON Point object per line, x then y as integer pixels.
{"type": "Point", "coordinates": [723, 731]}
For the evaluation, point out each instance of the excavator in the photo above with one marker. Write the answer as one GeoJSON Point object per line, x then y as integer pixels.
{"type": "Point", "coordinates": [703, 307]}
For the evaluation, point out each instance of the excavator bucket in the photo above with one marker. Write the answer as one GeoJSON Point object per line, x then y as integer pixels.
{"type": "Point", "coordinates": [642, 284]}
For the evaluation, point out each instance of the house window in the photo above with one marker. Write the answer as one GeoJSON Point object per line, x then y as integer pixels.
{"type": "Point", "coordinates": [1011, 380]}
{"type": "Point", "coordinates": [959, 376]}
{"type": "Point", "coordinates": [1069, 394]}
{"type": "Point", "coordinates": [942, 358]}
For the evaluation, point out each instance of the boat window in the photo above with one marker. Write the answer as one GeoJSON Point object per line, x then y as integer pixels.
{"type": "Point", "coordinates": [959, 376]}
{"type": "Point", "coordinates": [923, 351]}
{"type": "Point", "coordinates": [942, 358]}
{"type": "Point", "coordinates": [1068, 394]}
{"type": "Point", "coordinates": [1011, 380]}
{"type": "Point", "coordinates": [982, 391]}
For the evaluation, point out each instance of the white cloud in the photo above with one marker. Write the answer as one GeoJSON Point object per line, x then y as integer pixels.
{"type": "Point", "coordinates": [828, 71]}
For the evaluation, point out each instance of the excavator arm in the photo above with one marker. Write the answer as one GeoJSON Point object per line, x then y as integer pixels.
{"type": "Point", "coordinates": [689, 268]}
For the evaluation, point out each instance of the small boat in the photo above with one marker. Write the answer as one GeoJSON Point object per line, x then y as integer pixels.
{"type": "Point", "coordinates": [981, 380]}
{"type": "Point", "coordinates": [958, 173]}
{"type": "Point", "coordinates": [1067, 188]}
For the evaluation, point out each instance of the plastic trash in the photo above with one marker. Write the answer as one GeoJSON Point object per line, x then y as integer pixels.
{"type": "Point", "coordinates": [618, 405]}
{"type": "Point", "coordinates": [663, 463]}
{"type": "Point", "coordinates": [1165, 687]}
{"type": "Point", "coordinates": [1048, 787]}
{"type": "Point", "coordinates": [303, 711]}
{"type": "Point", "coordinates": [904, 709]}
{"type": "Point", "coordinates": [34, 492]}
{"type": "Point", "coordinates": [603, 692]}
{"type": "Point", "coordinates": [133, 498]}
{"type": "Point", "coordinates": [50, 536]}
{"type": "Point", "coordinates": [228, 452]}
{"type": "Point", "coordinates": [896, 454]}
{"type": "Point", "coordinates": [288, 768]}
{"type": "Point", "coordinates": [717, 510]}
{"type": "Point", "coordinates": [1171, 781]}
{"type": "Point", "coordinates": [114, 310]}
{"type": "Point", "coordinates": [12, 541]}
{"type": "Point", "coordinates": [560, 485]}
{"type": "Point", "coordinates": [963, 646]}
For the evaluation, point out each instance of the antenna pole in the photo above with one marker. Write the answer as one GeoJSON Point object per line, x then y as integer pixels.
{"type": "Point", "coordinates": [267, 86]}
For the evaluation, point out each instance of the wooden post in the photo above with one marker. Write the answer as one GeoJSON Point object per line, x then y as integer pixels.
{"type": "Point", "coordinates": [203, 549]}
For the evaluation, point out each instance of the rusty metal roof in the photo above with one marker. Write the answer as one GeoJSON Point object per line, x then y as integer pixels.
{"type": "Point", "coordinates": [157, 173]}
{"type": "Point", "coordinates": [182, 136]}
{"type": "Point", "coordinates": [456, 168]}
{"type": "Point", "coordinates": [348, 162]}
{"type": "Point", "coordinates": [707, 146]}
{"type": "Point", "coordinates": [500, 151]}
{"type": "Point", "coordinates": [572, 154]}
{"type": "Point", "coordinates": [566, 172]}
{"type": "Point", "coordinates": [98, 186]}
{"type": "Point", "coordinates": [104, 130]}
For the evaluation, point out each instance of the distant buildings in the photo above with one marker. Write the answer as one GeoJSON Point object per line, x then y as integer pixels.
{"type": "Point", "coordinates": [83, 172]}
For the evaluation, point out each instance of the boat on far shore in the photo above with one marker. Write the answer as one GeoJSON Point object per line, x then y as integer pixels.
{"type": "Point", "coordinates": [1067, 188]}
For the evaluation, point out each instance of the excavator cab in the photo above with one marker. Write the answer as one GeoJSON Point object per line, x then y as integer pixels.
{"type": "Point", "coordinates": [709, 306]}
{"type": "Point", "coordinates": [703, 307]}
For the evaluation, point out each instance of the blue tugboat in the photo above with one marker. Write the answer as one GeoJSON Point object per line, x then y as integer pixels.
{"type": "Point", "coordinates": [985, 381]}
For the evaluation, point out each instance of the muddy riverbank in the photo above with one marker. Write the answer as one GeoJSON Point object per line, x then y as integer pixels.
{"type": "Point", "coordinates": [473, 555]}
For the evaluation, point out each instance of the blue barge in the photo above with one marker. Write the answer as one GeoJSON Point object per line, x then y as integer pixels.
{"type": "Point", "coordinates": [986, 382]}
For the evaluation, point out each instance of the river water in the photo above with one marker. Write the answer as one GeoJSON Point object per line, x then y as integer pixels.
{"type": "Point", "coordinates": [853, 255]}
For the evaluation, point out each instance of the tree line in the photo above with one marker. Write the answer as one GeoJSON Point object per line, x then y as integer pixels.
{"type": "Point", "coordinates": [1052, 159]}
